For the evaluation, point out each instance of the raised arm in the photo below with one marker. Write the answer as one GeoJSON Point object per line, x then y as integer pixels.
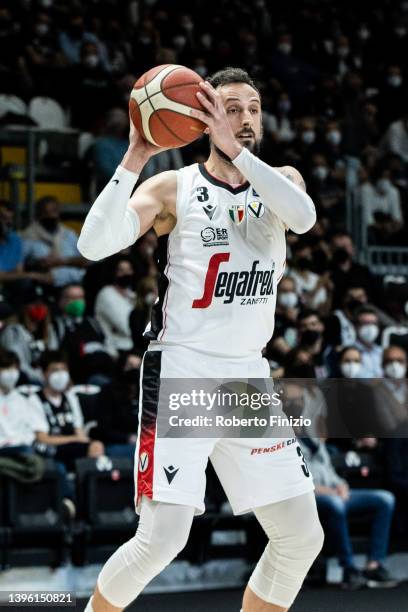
{"type": "Point", "coordinates": [117, 218]}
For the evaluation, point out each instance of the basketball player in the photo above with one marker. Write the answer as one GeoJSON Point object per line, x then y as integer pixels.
{"type": "Point", "coordinates": [218, 223]}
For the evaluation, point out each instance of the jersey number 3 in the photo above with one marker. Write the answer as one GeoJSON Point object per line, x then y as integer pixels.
{"type": "Point", "coordinates": [202, 194]}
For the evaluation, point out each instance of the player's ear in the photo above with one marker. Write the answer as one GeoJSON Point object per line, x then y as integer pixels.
{"type": "Point", "coordinates": [207, 131]}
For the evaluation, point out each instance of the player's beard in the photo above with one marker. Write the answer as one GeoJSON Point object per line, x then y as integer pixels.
{"type": "Point", "coordinates": [254, 146]}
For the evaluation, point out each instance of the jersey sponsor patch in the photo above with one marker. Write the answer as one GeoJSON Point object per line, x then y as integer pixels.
{"type": "Point", "coordinates": [256, 209]}
{"type": "Point", "coordinates": [248, 287]}
{"type": "Point", "coordinates": [237, 213]}
{"type": "Point", "coordinates": [214, 236]}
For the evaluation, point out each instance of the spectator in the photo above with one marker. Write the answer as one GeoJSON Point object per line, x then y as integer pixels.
{"type": "Point", "coordinates": [311, 330]}
{"type": "Point", "coordinates": [391, 393]}
{"type": "Point", "coordinates": [381, 208]}
{"type": "Point", "coordinates": [81, 337]}
{"type": "Point", "coordinates": [396, 138]}
{"type": "Point", "coordinates": [27, 337]}
{"type": "Point", "coordinates": [11, 254]}
{"type": "Point", "coordinates": [327, 188]}
{"type": "Point", "coordinates": [113, 306]}
{"type": "Point", "coordinates": [74, 37]}
{"type": "Point", "coordinates": [391, 97]}
{"type": "Point", "coordinates": [339, 327]}
{"type": "Point", "coordinates": [335, 501]}
{"type": "Point", "coordinates": [367, 327]}
{"type": "Point", "coordinates": [51, 247]}
{"type": "Point", "coordinates": [62, 436]}
{"type": "Point", "coordinates": [287, 310]}
{"type": "Point", "coordinates": [396, 462]}
{"type": "Point", "coordinates": [140, 316]}
{"type": "Point", "coordinates": [314, 291]}
{"type": "Point", "coordinates": [110, 147]}
{"type": "Point", "coordinates": [19, 425]}
{"type": "Point", "coordinates": [118, 409]}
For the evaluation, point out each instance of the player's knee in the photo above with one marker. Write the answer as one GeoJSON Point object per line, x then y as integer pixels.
{"type": "Point", "coordinates": [311, 540]}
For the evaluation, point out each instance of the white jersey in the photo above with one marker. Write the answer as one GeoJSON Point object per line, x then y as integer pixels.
{"type": "Point", "coordinates": [220, 267]}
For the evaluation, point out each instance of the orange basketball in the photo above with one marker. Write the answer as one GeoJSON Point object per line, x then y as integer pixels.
{"type": "Point", "coordinates": [160, 104]}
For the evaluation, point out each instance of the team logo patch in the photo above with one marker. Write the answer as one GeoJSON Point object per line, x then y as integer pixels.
{"type": "Point", "coordinates": [237, 213]}
{"type": "Point", "coordinates": [214, 236]}
{"type": "Point", "coordinates": [170, 472]}
{"type": "Point", "coordinates": [143, 462]}
{"type": "Point", "coordinates": [256, 209]}
{"type": "Point", "coordinates": [209, 210]}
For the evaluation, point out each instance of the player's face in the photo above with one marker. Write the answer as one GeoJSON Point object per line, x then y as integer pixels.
{"type": "Point", "coordinates": [243, 107]}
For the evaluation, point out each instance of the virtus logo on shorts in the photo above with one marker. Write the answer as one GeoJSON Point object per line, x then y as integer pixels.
{"type": "Point", "coordinates": [143, 462]}
{"type": "Point", "coordinates": [252, 286]}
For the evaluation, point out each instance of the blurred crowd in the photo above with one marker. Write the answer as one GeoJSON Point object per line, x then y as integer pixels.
{"type": "Point", "coordinates": [334, 92]}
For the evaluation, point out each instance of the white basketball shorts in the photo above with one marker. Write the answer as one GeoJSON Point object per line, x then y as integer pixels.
{"type": "Point", "coordinates": [254, 472]}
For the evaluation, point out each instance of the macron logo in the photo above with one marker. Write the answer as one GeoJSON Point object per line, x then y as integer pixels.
{"type": "Point", "coordinates": [114, 181]}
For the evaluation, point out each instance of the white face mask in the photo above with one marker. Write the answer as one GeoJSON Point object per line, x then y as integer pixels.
{"type": "Point", "coordinates": [288, 299]}
{"type": "Point", "coordinates": [395, 369]}
{"type": "Point", "coordinates": [334, 137]}
{"type": "Point", "coordinates": [91, 61]}
{"type": "Point", "coordinates": [308, 136]}
{"type": "Point", "coordinates": [321, 172]}
{"type": "Point", "coordinates": [59, 380]}
{"type": "Point", "coordinates": [394, 80]}
{"type": "Point", "coordinates": [350, 369]}
{"type": "Point", "coordinates": [285, 48]}
{"type": "Point", "coordinates": [343, 51]}
{"type": "Point", "coordinates": [364, 34]}
{"type": "Point", "coordinates": [9, 378]}
{"type": "Point", "coordinates": [150, 298]}
{"type": "Point", "coordinates": [41, 29]}
{"type": "Point", "coordinates": [369, 332]}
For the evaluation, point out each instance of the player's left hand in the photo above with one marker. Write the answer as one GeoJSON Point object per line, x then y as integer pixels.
{"type": "Point", "coordinates": [216, 119]}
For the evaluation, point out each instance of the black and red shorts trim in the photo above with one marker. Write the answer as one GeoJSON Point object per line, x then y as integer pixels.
{"type": "Point", "coordinates": [148, 422]}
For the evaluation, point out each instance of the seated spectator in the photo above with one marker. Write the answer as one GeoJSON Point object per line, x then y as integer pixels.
{"type": "Point", "coordinates": [339, 326]}
{"type": "Point", "coordinates": [51, 247]}
{"type": "Point", "coordinates": [118, 410]}
{"type": "Point", "coordinates": [113, 306]}
{"type": "Point", "coordinates": [303, 398]}
{"type": "Point", "coordinates": [27, 337]}
{"type": "Point", "coordinates": [81, 337]}
{"type": "Point", "coordinates": [391, 393]}
{"type": "Point", "coordinates": [62, 436]}
{"type": "Point", "coordinates": [335, 501]}
{"type": "Point", "coordinates": [110, 146]}
{"type": "Point", "coordinates": [19, 425]}
{"type": "Point", "coordinates": [313, 291]}
{"type": "Point", "coordinates": [396, 139]}
{"type": "Point", "coordinates": [11, 254]}
{"type": "Point", "coordinates": [396, 462]}
{"type": "Point", "coordinates": [367, 328]}
{"type": "Point", "coordinates": [74, 36]}
{"type": "Point", "coordinates": [311, 334]}
{"type": "Point", "coordinates": [327, 188]}
{"type": "Point", "coordinates": [333, 149]}
{"type": "Point", "coordinates": [287, 310]}
{"type": "Point", "coordinates": [380, 204]}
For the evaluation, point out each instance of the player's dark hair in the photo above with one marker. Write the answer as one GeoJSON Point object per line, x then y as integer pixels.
{"type": "Point", "coordinates": [229, 75]}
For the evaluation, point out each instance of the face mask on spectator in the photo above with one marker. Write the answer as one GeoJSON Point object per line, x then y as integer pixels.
{"type": "Point", "coordinates": [364, 33]}
{"type": "Point", "coordinates": [350, 369]}
{"type": "Point", "coordinates": [75, 308]}
{"type": "Point", "coordinates": [179, 41]}
{"type": "Point", "coordinates": [288, 299]}
{"type": "Point", "coordinates": [149, 298]}
{"type": "Point", "coordinates": [37, 312]}
{"type": "Point", "coordinates": [9, 378]}
{"type": "Point", "coordinates": [59, 380]}
{"type": "Point", "coordinates": [334, 137]}
{"type": "Point", "coordinates": [42, 29]}
{"type": "Point", "coordinates": [395, 80]}
{"type": "Point", "coordinates": [91, 61]}
{"type": "Point", "coordinates": [369, 332]}
{"type": "Point", "coordinates": [343, 51]}
{"type": "Point", "coordinates": [400, 31]}
{"type": "Point", "coordinates": [285, 48]}
{"type": "Point", "coordinates": [308, 136]}
{"type": "Point", "coordinates": [125, 281]}
{"type": "Point", "coordinates": [395, 369]}
{"type": "Point", "coordinates": [310, 337]}
{"type": "Point", "coordinates": [320, 172]}
{"type": "Point", "coordinates": [46, 3]}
